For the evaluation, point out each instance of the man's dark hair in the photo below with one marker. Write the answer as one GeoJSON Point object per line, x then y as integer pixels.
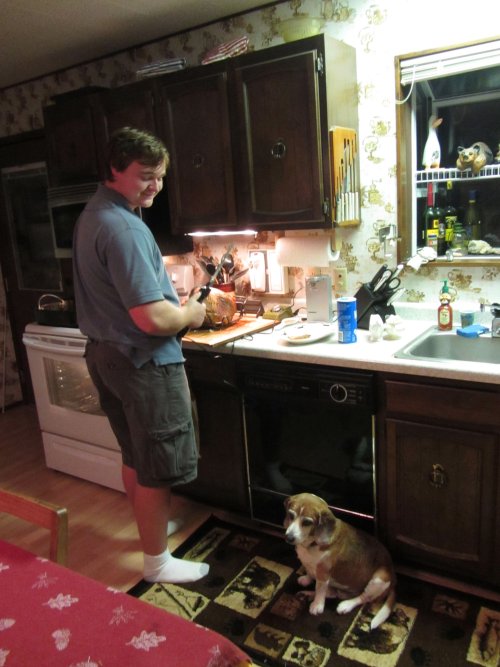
{"type": "Point", "coordinates": [129, 145]}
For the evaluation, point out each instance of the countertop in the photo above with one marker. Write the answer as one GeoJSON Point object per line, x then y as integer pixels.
{"type": "Point", "coordinates": [363, 354]}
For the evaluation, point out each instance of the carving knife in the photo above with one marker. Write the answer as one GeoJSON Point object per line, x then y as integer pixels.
{"type": "Point", "coordinates": [205, 290]}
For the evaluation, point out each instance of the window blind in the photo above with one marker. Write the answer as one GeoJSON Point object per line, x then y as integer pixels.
{"type": "Point", "coordinates": [453, 61]}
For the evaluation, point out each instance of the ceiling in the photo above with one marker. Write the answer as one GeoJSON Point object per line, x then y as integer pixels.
{"type": "Point", "coordinates": [42, 36]}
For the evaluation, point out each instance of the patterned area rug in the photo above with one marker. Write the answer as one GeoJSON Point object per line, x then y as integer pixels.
{"type": "Point", "coordinates": [251, 595]}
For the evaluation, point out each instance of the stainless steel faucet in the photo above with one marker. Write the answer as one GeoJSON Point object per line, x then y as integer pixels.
{"type": "Point", "coordinates": [495, 325]}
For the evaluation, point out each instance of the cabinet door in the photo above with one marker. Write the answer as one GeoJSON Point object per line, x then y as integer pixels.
{"type": "Point", "coordinates": [438, 496]}
{"type": "Point", "coordinates": [280, 169]}
{"type": "Point", "coordinates": [131, 105]}
{"type": "Point", "coordinates": [195, 125]}
{"type": "Point", "coordinates": [222, 478]}
{"type": "Point", "coordinates": [71, 142]}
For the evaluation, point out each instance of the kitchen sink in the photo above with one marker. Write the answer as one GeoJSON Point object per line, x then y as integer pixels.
{"type": "Point", "coordinates": [434, 345]}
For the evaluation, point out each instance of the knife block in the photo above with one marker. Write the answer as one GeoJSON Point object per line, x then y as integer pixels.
{"type": "Point", "coordinates": [345, 176]}
{"type": "Point", "coordinates": [369, 303]}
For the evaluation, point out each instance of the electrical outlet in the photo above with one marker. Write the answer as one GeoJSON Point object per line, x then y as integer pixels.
{"type": "Point", "coordinates": [340, 279]}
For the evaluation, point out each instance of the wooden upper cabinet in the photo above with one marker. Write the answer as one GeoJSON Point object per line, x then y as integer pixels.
{"type": "Point", "coordinates": [249, 136]}
{"type": "Point", "coordinates": [78, 129]}
{"type": "Point", "coordinates": [71, 135]}
{"type": "Point", "coordinates": [131, 105]}
{"type": "Point", "coordinates": [281, 179]}
{"type": "Point", "coordinates": [195, 125]}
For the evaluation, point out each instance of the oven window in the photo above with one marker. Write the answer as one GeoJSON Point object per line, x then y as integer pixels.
{"type": "Point", "coordinates": [69, 386]}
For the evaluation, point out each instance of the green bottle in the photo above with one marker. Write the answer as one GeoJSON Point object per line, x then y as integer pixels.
{"type": "Point", "coordinates": [431, 220]}
{"type": "Point", "coordinates": [472, 218]}
{"type": "Point", "coordinates": [450, 215]}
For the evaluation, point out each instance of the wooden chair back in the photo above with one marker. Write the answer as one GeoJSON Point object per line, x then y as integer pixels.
{"type": "Point", "coordinates": [40, 513]}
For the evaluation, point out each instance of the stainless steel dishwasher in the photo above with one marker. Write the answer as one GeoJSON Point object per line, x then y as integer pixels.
{"type": "Point", "coordinates": [309, 428]}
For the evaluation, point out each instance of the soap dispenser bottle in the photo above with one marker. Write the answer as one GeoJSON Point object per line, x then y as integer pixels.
{"type": "Point", "coordinates": [445, 312]}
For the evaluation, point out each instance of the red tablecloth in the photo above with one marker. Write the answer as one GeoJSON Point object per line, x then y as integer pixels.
{"type": "Point", "coordinates": [51, 616]}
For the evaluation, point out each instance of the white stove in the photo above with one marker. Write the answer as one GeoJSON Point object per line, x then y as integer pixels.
{"type": "Point", "coordinates": [77, 437]}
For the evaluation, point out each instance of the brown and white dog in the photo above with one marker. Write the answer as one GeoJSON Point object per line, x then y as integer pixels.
{"type": "Point", "coordinates": [344, 562]}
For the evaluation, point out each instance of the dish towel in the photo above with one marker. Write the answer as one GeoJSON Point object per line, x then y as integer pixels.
{"type": "Point", "coordinates": [227, 50]}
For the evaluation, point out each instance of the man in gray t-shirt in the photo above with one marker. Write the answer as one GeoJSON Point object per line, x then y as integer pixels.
{"type": "Point", "coordinates": [129, 310]}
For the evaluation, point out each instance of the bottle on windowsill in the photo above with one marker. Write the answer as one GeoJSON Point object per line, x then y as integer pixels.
{"type": "Point", "coordinates": [472, 218]}
{"type": "Point", "coordinates": [439, 208]}
{"type": "Point", "coordinates": [450, 215]}
{"type": "Point", "coordinates": [431, 220]}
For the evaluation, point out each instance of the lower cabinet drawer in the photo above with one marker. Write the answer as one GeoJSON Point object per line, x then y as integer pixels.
{"type": "Point", "coordinates": [468, 407]}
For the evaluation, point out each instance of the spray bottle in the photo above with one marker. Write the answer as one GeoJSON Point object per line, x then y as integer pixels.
{"type": "Point", "coordinates": [445, 312]}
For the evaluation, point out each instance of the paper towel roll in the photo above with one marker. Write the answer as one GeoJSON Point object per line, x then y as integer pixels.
{"type": "Point", "coordinates": [305, 251]}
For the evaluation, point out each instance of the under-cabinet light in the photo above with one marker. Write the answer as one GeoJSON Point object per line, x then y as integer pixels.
{"type": "Point", "coordinates": [242, 232]}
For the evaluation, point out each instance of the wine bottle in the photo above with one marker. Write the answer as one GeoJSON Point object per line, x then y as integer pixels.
{"type": "Point", "coordinates": [439, 209]}
{"type": "Point", "coordinates": [450, 215]}
{"type": "Point", "coordinates": [472, 218]}
{"type": "Point", "coordinates": [431, 220]}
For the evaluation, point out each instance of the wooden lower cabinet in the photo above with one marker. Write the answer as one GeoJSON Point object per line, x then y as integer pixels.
{"type": "Point", "coordinates": [222, 477]}
{"type": "Point", "coordinates": [439, 484]}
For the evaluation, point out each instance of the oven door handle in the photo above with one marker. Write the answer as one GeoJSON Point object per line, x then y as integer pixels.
{"type": "Point", "coordinates": [73, 349]}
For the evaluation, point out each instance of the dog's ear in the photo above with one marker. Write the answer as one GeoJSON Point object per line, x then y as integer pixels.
{"type": "Point", "coordinates": [287, 504]}
{"type": "Point", "coordinates": [324, 528]}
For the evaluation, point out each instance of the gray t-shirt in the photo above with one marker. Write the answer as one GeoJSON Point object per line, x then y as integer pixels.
{"type": "Point", "coordinates": [117, 265]}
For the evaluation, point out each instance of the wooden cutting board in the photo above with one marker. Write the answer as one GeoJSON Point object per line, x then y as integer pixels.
{"type": "Point", "coordinates": [245, 326]}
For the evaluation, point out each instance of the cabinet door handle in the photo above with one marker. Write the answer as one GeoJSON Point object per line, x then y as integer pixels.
{"type": "Point", "coordinates": [438, 477]}
{"type": "Point", "coordinates": [278, 150]}
{"type": "Point", "coordinates": [198, 160]}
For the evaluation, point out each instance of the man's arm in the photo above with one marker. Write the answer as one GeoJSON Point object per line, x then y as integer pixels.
{"type": "Point", "coordinates": [162, 318]}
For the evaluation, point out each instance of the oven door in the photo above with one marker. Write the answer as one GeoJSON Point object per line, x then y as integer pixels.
{"type": "Point", "coordinates": [66, 399]}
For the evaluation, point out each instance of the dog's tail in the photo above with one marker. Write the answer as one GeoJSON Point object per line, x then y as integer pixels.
{"type": "Point", "coordinates": [385, 610]}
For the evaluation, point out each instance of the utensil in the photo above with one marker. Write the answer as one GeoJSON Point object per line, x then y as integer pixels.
{"type": "Point", "coordinates": [204, 266]}
{"type": "Point", "coordinates": [394, 295]}
{"type": "Point", "coordinates": [228, 267]}
{"type": "Point", "coordinates": [389, 279]}
{"type": "Point", "coordinates": [385, 277]}
{"type": "Point", "coordinates": [205, 290]}
{"type": "Point", "coordinates": [392, 284]}
{"type": "Point", "coordinates": [377, 277]}
{"type": "Point", "coordinates": [238, 275]}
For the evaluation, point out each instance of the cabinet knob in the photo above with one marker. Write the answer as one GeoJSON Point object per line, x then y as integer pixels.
{"type": "Point", "coordinates": [198, 160]}
{"type": "Point", "coordinates": [278, 150]}
{"type": "Point", "coordinates": [438, 477]}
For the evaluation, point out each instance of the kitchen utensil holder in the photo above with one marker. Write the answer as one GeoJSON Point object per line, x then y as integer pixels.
{"type": "Point", "coordinates": [345, 176]}
{"type": "Point", "coordinates": [371, 303]}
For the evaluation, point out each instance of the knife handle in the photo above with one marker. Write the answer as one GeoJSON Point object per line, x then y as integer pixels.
{"type": "Point", "coordinates": [376, 278]}
{"type": "Point", "coordinates": [204, 292]}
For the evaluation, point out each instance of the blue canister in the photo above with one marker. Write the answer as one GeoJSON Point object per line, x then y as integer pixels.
{"type": "Point", "coordinates": [347, 319]}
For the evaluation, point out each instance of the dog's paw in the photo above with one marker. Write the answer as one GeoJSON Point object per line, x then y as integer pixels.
{"type": "Point", "coordinates": [346, 606]}
{"type": "Point", "coordinates": [304, 580]}
{"type": "Point", "coordinates": [316, 608]}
